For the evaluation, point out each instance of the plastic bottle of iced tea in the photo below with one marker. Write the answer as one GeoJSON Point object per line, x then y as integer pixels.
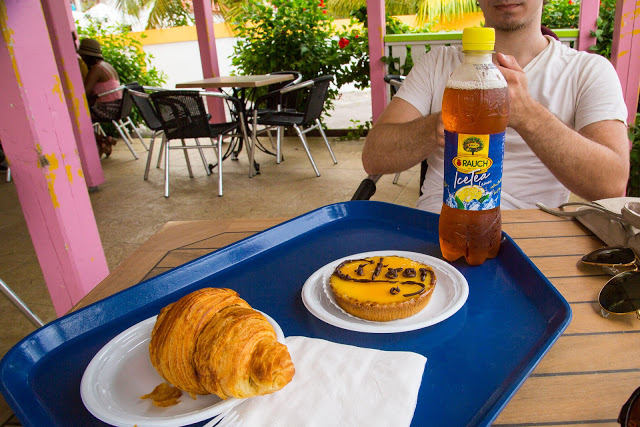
{"type": "Point", "coordinates": [475, 111]}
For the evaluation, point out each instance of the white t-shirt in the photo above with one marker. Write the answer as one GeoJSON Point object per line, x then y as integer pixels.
{"type": "Point", "coordinates": [577, 87]}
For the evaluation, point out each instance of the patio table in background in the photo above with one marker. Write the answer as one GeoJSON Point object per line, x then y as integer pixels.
{"type": "Point", "coordinates": [584, 379]}
{"type": "Point", "coordinates": [239, 85]}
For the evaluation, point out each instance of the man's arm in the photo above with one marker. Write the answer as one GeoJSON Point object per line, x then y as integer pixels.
{"type": "Point", "coordinates": [592, 163]}
{"type": "Point", "coordinates": [401, 138]}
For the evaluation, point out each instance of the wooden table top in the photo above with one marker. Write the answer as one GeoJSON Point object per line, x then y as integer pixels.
{"type": "Point", "coordinates": [237, 81]}
{"type": "Point", "coordinates": [585, 377]}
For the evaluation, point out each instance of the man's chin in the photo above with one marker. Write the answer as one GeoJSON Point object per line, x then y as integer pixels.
{"type": "Point", "coordinates": [509, 27]}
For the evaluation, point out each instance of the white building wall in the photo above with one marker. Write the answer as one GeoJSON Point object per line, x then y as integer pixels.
{"type": "Point", "coordinates": [180, 61]}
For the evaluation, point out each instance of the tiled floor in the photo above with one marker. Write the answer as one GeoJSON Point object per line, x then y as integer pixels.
{"type": "Point", "coordinates": [129, 210]}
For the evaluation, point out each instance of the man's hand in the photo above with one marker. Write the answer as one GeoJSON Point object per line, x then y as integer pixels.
{"type": "Point", "coordinates": [521, 100]}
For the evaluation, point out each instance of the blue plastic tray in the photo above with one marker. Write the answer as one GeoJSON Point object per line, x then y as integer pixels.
{"type": "Point", "coordinates": [477, 358]}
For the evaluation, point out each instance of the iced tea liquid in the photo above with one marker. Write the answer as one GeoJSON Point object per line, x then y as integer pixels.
{"type": "Point", "coordinates": [475, 116]}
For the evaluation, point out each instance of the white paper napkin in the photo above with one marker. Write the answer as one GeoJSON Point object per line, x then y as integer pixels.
{"type": "Point", "coordinates": [338, 385]}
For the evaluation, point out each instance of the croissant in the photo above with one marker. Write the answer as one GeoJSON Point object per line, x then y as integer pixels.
{"type": "Point", "coordinates": [237, 355]}
{"type": "Point", "coordinates": [173, 339]}
{"type": "Point", "coordinates": [212, 341]}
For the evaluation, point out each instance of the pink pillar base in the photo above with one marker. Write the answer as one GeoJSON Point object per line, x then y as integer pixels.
{"type": "Point", "coordinates": [57, 19]}
{"type": "Point", "coordinates": [38, 138]}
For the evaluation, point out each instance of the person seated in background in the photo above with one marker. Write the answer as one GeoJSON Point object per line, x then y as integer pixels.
{"type": "Point", "coordinates": [567, 129]}
{"type": "Point", "coordinates": [84, 70]}
{"type": "Point", "coordinates": [101, 78]}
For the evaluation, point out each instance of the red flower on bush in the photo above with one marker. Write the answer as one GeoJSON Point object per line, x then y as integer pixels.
{"type": "Point", "coordinates": [324, 11]}
{"type": "Point", "coordinates": [570, 2]}
{"type": "Point", "coordinates": [343, 42]}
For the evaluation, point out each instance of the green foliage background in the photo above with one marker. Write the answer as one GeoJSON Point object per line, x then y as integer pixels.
{"type": "Point", "coordinates": [561, 14]}
{"type": "Point", "coordinates": [127, 56]}
{"type": "Point", "coordinates": [298, 35]}
{"type": "Point", "coordinates": [125, 53]}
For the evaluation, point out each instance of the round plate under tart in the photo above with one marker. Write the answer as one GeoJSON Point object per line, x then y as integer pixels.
{"type": "Point", "coordinates": [450, 294]}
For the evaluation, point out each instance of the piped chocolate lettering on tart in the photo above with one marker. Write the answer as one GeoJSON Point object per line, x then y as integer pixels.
{"type": "Point", "coordinates": [410, 272]}
{"type": "Point", "coordinates": [391, 274]}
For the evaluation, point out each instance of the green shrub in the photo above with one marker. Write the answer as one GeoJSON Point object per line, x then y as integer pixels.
{"type": "Point", "coordinates": [604, 32]}
{"type": "Point", "coordinates": [561, 14]}
{"type": "Point", "coordinates": [176, 13]}
{"type": "Point", "coordinates": [126, 55]}
{"type": "Point", "coordinates": [298, 35]}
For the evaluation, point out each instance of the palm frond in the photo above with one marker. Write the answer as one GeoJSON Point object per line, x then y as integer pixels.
{"type": "Point", "coordinates": [230, 9]}
{"type": "Point", "coordinates": [158, 12]}
{"type": "Point", "coordinates": [445, 10]}
{"type": "Point", "coordinates": [131, 7]}
{"type": "Point", "coordinates": [426, 10]}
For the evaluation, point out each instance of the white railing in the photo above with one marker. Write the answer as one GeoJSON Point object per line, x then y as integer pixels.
{"type": "Point", "coordinates": [395, 45]}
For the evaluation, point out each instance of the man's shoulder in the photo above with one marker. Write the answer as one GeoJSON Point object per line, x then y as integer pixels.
{"type": "Point", "coordinates": [570, 54]}
{"type": "Point", "coordinates": [442, 57]}
{"type": "Point", "coordinates": [446, 52]}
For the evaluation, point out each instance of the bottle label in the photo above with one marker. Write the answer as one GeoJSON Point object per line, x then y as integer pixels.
{"type": "Point", "coordinates": [473, 170]}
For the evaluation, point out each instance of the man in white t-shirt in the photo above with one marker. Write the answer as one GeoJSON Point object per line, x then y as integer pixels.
{"type": "Point", "coordinates": [567, 130]}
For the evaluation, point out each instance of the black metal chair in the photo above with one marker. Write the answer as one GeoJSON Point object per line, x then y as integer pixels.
{"type": "Point", "coordinates": [151, 119]}
{"type": "Point", "coordinates": [275, 102]}
{"type": "Point", "coordinates": [117, 113]}
{"type": "Point", "coordinates": [394, 81]}
{"type": "Point", "coordinates": [303, 119]}
{"type": "Point", "coordinates": [183, 116]}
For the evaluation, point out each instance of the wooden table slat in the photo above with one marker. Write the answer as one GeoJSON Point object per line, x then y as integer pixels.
{"type": "Point", "coordinates": [599, 398]}
{"type": "Point", "coordinates": [580, 288]}
{"type": "Point", "coordinates": [590, 353]}
{"type": "Point", "coordinates": [587, 320]}
{"type": "Point", "coordinates": [520, 230]}
{"type": "Point", "coordinates": [568, 245]}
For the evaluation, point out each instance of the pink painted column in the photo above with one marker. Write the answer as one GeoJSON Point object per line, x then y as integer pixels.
{"type": "Point", "coordinates": [376, 24]}
{"type": "Point", "coordinates": [38, 138]}
{"type": "Point", "coordinates": [625, 52]}
{"type": "Point", "coordinates": [73, 87]}
{"type": "Point", "coordinates": [589, 11]}
{"type": "Point", "coordinates": [208, 53]}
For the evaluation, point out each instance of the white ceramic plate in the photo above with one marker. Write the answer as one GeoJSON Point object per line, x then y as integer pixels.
{"type": "Point", "coordinates": [121, 372]}
{"type": "Point", "coordinates": [448, 297]}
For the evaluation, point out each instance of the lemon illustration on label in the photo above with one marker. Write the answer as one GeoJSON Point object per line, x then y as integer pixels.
{"type": "Point", "coordinates": [468, 194]}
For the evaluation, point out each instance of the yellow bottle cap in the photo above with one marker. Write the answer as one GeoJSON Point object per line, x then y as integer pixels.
{"type": "Point", "coordinates": [478, 38]}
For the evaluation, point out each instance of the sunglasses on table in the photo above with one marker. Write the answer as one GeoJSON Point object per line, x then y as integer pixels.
{"type": "Point", "coordinates": [621, 294]}
{"type": "Point", "coordinates": [630, 412]}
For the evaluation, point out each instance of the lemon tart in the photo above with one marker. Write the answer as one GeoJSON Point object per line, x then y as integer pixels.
{"type": "Point", "coordinates": [382, 288]}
